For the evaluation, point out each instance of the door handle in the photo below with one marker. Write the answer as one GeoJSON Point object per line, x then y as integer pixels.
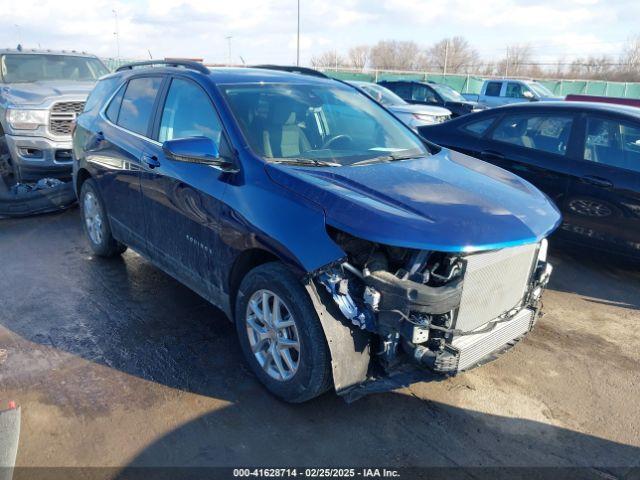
{"type": "Point", "coordinates": [597, 181]}
{"type": "Point", "coordinates": [151, 160]}
{"type": "Point", "coordinates": [492, 155]}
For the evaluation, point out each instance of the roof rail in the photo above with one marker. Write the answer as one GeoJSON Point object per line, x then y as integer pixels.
{"type": "Point", "coordinates": [168, 63]}
{"type": "Point", "coordinates": [294, 69]}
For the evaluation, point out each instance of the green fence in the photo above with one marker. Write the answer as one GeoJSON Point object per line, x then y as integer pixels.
{"type": "Point", "coordinates": [472, 83]}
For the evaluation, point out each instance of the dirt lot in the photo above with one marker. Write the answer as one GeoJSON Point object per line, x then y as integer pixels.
{"type": "Point", "coordinates": [115, 363]}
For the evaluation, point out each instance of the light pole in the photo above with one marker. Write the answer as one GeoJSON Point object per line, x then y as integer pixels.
{"type": "Point", "coordinates": [117, 33]}
{"type": "Point", "coordinates": [229, 37]}
{"type": "Point", "coordinates": [19, 33]}
{"type": "Point", "coordinates": [298, 39]}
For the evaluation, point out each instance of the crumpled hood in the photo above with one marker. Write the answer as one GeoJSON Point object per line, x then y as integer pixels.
{"type": "Point", "coordinates": [35, 93]}
{"type": "Point", "coordinates": [419, 109]}
{"type": "Point", "coordinates": [447, 202]}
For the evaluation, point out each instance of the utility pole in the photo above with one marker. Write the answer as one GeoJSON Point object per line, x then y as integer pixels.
{"type": "Point", "coordinates": [298, 39]}
{"type": "Point", "coordinates": [117, 33]}
{"type": "Point", "coordinates": [446, 56]}
{"type": "Point", "coordinates": [229, 37]}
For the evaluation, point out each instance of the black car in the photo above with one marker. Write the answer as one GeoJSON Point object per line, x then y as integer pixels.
{"type": "Point", "coordinates": [427, 93]}
{"type": "Point", "coordinates": [584, 156]}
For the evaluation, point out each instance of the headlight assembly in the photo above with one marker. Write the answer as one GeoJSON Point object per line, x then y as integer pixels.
{"type": "Point", "coordinates": [27, 119]}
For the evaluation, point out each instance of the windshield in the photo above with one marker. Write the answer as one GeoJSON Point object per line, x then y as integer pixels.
{"type": "Point", "coordinates": [23, 68]}
{"type": "Point", "coordinates": [382, 95]}
{"type": "Point", "coordinates": [318, 124]}
{"type": "Point", "coordinates": [540, 89]}
{"type": "Point", "coordinates": [448, 93]}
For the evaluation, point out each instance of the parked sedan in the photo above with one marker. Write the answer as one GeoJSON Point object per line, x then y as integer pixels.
{"type": "Point", "coordinates": [585, 156]}
{"type": "Point", "coordinates": [412, 115]}
{"type": "Point", "coordinates": [435, 94]}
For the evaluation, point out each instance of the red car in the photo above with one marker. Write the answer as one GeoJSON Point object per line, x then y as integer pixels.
{"type": "Point", "coordinates": [632, 102]}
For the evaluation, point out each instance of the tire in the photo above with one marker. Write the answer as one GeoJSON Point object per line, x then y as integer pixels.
{"type": "Point", "coordinates": [96, 223]}
{"type": "Point", "coordinates": [312, 375]}
{"type": "Point", "coordinates": [35, 202]}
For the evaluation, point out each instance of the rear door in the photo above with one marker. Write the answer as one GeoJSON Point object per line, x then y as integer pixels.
{"type": "Point", "coordinates": [602, 207]}
{"type": "Point", "coordinates": [122, 135]}
{"type": "Point", "coordinates": [493, 94]}
{"type": "Point", "coordinates": [535, 146]}
{"type": "Point", "coordinates": [182, 199]}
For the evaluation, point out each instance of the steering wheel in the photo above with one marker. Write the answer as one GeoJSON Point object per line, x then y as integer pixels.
{"type": "Point", "coordinates": [337, 138]}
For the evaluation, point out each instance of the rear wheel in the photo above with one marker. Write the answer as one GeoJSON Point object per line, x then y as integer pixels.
{"type": "Point", "coordinates": [96, 224]}
{"type": "Point", "coordinates": [280, 334]}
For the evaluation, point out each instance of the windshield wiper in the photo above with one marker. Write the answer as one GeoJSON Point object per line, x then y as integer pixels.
{"type": "Point", "coordinates": [305, 161]}
{"type": "Point", "coordinates": [386, 158]}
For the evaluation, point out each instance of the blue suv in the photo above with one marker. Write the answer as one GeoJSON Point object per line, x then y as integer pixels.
{"type": "Point", "coordinates": [347, 249]}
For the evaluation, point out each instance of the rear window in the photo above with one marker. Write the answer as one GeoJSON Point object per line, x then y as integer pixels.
{"type": "Point", "coordinates": [493, 89]}
{"type": "Point", "coordinates": [137, 104]}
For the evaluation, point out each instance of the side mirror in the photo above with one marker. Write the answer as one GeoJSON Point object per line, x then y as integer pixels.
{"type": "Point", "coordinates": [196, 150]}
{"type": "Point", "coordinates": [528, 95]}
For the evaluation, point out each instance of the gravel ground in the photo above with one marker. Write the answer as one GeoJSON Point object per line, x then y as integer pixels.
{"type": "Point", "coordinates": [115, 363]}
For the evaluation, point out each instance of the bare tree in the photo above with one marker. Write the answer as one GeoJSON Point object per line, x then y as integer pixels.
{"type": "Point", "coordinates": [516, 61]}
{"type": "Point", "coordinates": [359, 56]}
{"type": "Point", "coordinates": [394, 55]}
{"type": "Point", "coordinates": [453, 55]}
{"type": "Point", "coordinates": [630, 60]}
{"type": "Point", "coordinates": [330, 59]}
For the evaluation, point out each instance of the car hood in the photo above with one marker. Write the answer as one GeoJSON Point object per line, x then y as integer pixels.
{"type": "Point", "coordinates": [419, 109]}
{"type": "Point", "coordinates": [446, 202]}
{"type": "Point", "coordinates": [35, 93]}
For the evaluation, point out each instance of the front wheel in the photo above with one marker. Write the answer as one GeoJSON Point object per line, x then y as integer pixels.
{"type": "Point", "coordinates": [96, 223]}
{"type": "Point", "coordinates": [280, 334]}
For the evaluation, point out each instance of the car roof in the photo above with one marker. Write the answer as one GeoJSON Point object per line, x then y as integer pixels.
{"type": "Point", "coordinates": [574, 106]}
{"type": "Point", "coordinates": [237, 75]}
{"type": "Point", "coordinates": [34, 51]}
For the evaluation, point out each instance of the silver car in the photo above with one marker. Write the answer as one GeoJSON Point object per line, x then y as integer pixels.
{"type": "Point", "coordinates": [412, 115]}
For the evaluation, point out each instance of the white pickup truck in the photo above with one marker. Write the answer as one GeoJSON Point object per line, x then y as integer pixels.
{"type": "Point", "coordinates": [501, 92]}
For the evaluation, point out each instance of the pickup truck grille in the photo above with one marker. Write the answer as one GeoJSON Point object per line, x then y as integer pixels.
{"type": "Point", "coordinates": [494, 283]}
{"type": "Point", "coordinates": [62, 116]}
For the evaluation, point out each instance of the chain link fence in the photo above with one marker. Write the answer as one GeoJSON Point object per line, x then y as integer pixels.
{"type": "Point", "coordinates": [473, 83]}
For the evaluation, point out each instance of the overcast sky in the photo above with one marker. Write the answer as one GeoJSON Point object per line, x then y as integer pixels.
{"type": "Point", "coordinates": [264, 31]}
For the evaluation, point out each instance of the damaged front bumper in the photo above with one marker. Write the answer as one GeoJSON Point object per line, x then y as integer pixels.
{"type": "Point", "coordinates": [445, 312]}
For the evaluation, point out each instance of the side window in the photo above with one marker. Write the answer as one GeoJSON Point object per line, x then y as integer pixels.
{"type": "Point", "coordinates": [613, 143]}
{"type": "Point", "coordinates": [403, 90]}
{"type": "Point", "coordinates": [188, 112]}
{"type": "Point", "coordinates": [547, 133]}
{"type": "Point", "coordinates": [478, 128]}
{"type": "Point", "coordinates": [422, 93]}
{"type": "Point", "coordinates": [419, 93]}
{"type": "Point", "coordinates": [137, 104]}
{"type": "Point", "coordinates": [514, 90]}
{"type": "Point", "coordinates": [493, 89]}
{"type": "Point", "coordinates": [114, 107]}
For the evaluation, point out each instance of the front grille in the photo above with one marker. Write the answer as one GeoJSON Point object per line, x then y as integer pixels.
{"type": "Point", "coordinates": [62, 116]}
{"type": "Point", "coordinates": [473, 348]}
{"type": "Point", "coordinates": [494, 283]}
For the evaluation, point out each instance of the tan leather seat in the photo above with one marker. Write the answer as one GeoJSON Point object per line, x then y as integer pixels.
{"type": "Point", "coordinates": [284, 140]}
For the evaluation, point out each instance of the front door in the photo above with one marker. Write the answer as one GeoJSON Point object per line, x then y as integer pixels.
{"type": "Point", "coordinates": [602, 207]}
{"type": "Point", "coordinates": [120, 139]}
{"type": "Point", "coordinates": [182, 199]}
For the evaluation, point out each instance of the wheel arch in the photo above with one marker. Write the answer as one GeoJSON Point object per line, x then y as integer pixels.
{"type": "Point", "coordinates": [82, 176]}
{"type": "Point", "coordinates": [246, 261]}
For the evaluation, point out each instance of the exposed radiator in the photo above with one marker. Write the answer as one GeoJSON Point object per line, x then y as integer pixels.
{"type": "Point", "coordinates": [494, 283]}
{"type": "Point", "coordinates": [475, 347]}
